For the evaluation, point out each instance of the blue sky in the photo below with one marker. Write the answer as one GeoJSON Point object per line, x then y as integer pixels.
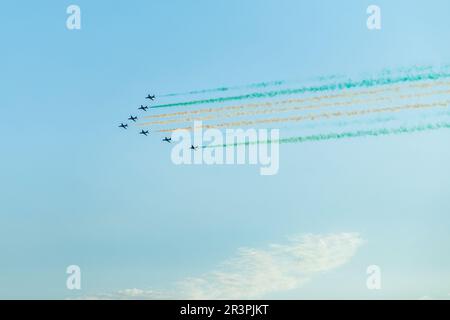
{"type": "Point", "coordinates": [76, 190]}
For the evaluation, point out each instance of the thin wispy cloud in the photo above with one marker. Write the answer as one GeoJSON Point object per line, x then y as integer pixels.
{"type": "Point", "coordinates": [254, 273]}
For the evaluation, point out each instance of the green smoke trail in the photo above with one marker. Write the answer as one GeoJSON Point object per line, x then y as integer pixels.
{"type": "Point", "coordinates": [259, 85]}
{"type": "Point", "coordinates": [224, 89]}
{"type": "Point", "coordinates": [265, 84]}
{"type": "Point", "coordinates": [366, 83]}
{"type": "Point", "coordinates": [345, 135]}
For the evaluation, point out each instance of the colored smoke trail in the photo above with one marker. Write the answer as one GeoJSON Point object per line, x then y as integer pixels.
{"type": "Point", "coordinates": [296, 108]}
{"type": "Point", "coordinates": [299, 100]}
{"type": "Point", "coordinates": [345, 135]}
{"type": "Point", "coordinates": [272, 103]}
{"type": "Point", "coordinates": [266, 111]}
{"type": "Point", "coordinates": [224, 89]}
{"type": "Point", "coordinates": [364, 121]}
{"type": "Point", "coordinates": [313, 117]}
{"type": "Point", "coordinates": [266, 84]}
{"type": "Point", "coordinates": [367, 83]}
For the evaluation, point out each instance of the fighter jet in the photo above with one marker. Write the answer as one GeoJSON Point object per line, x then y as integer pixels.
{"type": "Point", "coordinates": [167, 139]}
{"type": "Point", "coordinates": [150, 97]}
{"type": "Point", "coordinates": [144, 132]}
{"type": "Point", "coordinates": [132, 118]}
{"type": "Point", "coordinates": [123, 126]}
{"type": "Point", "coordinates": [194, 148]}
{"type": "Point", "coordinates": [143, 108]}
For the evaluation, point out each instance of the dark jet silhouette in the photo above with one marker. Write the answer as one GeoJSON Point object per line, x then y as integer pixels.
{"type": "Point", "coordinates": [144, 132]}
{"type": "Point", "coordinates": [123, 126]}
{"type": "Point", "coordinates": [143, 108]}
{"type": "Point", "coordinates": [150, 97]}
{"type": "Point", "coordinates": [194, 148]}
{"type": "Point", "coordinates": [132, 118]}
{"type": "Point", "coordinates": [167, 139]}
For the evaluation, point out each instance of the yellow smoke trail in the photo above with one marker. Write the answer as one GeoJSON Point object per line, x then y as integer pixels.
{"type": "Point", "coordinates": [326, 115]}
{"type": "Point", "coordinates": [300, 100]}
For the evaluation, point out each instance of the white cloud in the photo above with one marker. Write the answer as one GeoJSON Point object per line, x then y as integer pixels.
{"type": "Point", "coordinates": [253, 273]}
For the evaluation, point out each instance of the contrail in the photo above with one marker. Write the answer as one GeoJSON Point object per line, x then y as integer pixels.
{"type": "Point", "coordinates": [326, 115]}
{"type": "Point", "coordinates": [296, 108]}
{"type": "Point", "coordinates": [345, 135]}
{"type": "Point", "coordinates": [314, 89]}
{"type": "Point", "coordinates": [299, 100]}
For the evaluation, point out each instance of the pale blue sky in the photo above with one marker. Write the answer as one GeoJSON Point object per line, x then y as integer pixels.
{"type": "Point", "coordinates": [76, 190]}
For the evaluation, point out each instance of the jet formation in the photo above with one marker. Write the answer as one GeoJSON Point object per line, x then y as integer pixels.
{"type": "Point", "coordinates": [134, 119]}
{"type": "Point", "coordinates": [144, 108]}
